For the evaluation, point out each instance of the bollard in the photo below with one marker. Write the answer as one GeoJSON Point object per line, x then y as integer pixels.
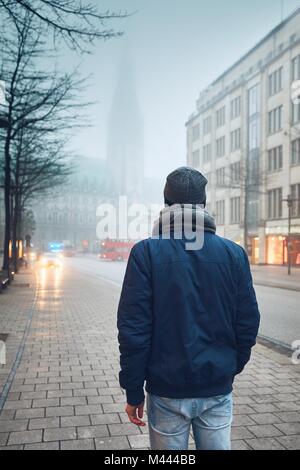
{"type": "Point", "coordinates": [2, 353]}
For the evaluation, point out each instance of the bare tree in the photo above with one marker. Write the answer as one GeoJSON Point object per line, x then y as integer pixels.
{"type": "Point", "coordinates": [39, 164]}
{"type": "Point", "coordinates": [246, 177]}
{"type": "Point", "coordinates": [42, 109]}
{"type": "Point", "coordinates": [78, 23]}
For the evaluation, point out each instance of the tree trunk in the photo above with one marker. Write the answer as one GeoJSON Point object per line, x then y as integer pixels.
{"type": "Point", "coordinates": [7, 190]}
{"type": "Point", "coordinates": [15, 234]}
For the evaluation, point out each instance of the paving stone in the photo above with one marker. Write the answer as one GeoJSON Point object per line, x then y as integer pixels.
{"type": "Point", "coordinates": [33, 395]}
{"type": "Point", "coordinates": [243, 409]}
{"type": "Point", "coordinates": [290, 442]}
{"type": "Point", "coordinates": [60, 434]}
{"type": "Point", "coordinates": [110, 418]}
{"type": "Point", "coordinates": [138, 442]}
{"type": "Point", "coordinates": [265, 408]}
{"type": "Point", "coordinates": [243, 420]}
{"type": "Point", "coordinates": [289, 428]}
{"type": "Point", "coordinates": [112, 443]}
{"type": "Point", "coordinates": [59, 394]}
{"type": "Point", "coordinates": [264, 444]}
{"type": "Point", "coordinates": [91, 432]}
{"type": "Point", "coordinates": [45, 403]}
{"type": "Point", "coordinates": [59, 411]}
{"type": "Point", "coordinates": [289, 416]}
{"type": "Point", "coordinates": [25, 437]}
{"type": "Point", "coordinates": [99, 400]}
{"type": "Point", "coordinates": [76, 421]}
{"type": "Point", "coordinates": [82, 444]}
{"type": "Point", "coordinates": [88, 410]}
{"type": "Point", "coordinates": [14, 425]}
{"type": "Point", "coordinates": [240, 432]}
{"type": "Point", "coordinates": [78, 401]}
{"type": "Point", "coordinates": [265, 430]}
{"type": "Point", "coordinates": [46, 446]}
{"type": "Point", "coordinates": [43, 423]}
{"type": "Point", "coordinates": [7, 415]}
{"type": "Point", "coordinates": [240, 445]}
{"type": "Point", "coordinates": [17, 405]}
{"type": "Point", "coordinates": [113, 408]}
{"type": "Point", "coordinates": [86, 392]}
{"type": "Point", "coordinates": [32, 413]}
{"type": "Point", "coordinates": [266, 418]}
{"type": "Point", "coordinates": [3, 438]}
{"type": "Point", "coordinates": [287, 406]}
{"type": "Point", "coordinates": [123, 429]}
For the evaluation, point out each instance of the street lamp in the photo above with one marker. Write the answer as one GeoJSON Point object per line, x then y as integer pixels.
{"type": "Point", "coordinates": [290, 201]}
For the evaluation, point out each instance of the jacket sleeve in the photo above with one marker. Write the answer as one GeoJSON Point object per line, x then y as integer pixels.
{"type": "Point", "coordinates": [248, 316]}
{"type": "Point", "coordinates": [135, 324]}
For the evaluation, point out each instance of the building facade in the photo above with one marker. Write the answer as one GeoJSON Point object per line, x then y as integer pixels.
{"type": "Point", "coordinates": [245, 137]}
{"type": "Point", "coordinates": [69, 214]}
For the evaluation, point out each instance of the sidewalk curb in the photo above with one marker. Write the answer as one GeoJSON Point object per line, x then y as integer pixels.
{"type": "Point", "coordinates": [276, 286]}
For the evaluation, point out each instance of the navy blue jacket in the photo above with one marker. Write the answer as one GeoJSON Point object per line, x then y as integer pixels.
{"type": "Point", "coordinates": [187, 319]}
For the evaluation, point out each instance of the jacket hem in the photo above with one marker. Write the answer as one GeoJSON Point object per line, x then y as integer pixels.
{"type": "Point", "coordinates": [199, 391]}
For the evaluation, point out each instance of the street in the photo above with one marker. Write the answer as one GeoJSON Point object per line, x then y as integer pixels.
{"type": "Point", "coordinates": [60, 386]}
{"type": "Point", "coordinates": [280, 318]}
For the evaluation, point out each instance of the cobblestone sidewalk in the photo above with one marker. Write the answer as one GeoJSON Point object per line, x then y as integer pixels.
{"type": "Point", "coordinates": [65, 392]}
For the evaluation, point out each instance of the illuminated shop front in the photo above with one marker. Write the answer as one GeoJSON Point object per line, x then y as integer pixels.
{"type": "Point", "coordinates": [277, 249]}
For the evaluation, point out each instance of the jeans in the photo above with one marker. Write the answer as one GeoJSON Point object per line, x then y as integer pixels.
{"type": "Point", "coordinates": [170, 422]}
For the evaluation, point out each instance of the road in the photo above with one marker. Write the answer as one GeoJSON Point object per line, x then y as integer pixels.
{"type": "Point", "coordinates": [280, 315]}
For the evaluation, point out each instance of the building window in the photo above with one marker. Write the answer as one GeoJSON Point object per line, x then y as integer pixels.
{"type": "Point", "coordinates": [207, 125]}
{"type": "Point", "coordinates": [221, 116]}
{"type": "Point", "coordinates": [235, 140]}
{"type": "Point", "coordinates": [220, 212]}
{"type": "Point", "coordinates": [196, 133]}
{"type": "Point", "coordinates": [296, 68]}
{"type": "Point", "coordinates": [220, 147]}
{"type": "Point", "coordinates": [235, 173]}
{"type": "Point", "coordinates": [295, 193]}
{"type": "Point", "coordinates": [254, 100]}
{"type": "Point", "coordinates": [235, 210]}
{"type": "Point", "coordinates": [275, 82]}
{"type": "Point", "coordinates": [196, 159]}
{"type": "Point", "coordinates": [295, 113]}
{"type": "Point", "coordinates": [235, 107]}
{"type": "Point", "coordinates": [275, 204]}
{"type": "Point", "coordinates": [275, 120]}
{"type": "Point", "coordinates": [275, 159]}
{"type": "Point", "coordinates": [207, 153]}
{"type": "Point", "coordinates": [209, 177]}
{"type": "Point", "coordinates": [296, 152]}
{"type": "Point", "coordinates": [220, 177]}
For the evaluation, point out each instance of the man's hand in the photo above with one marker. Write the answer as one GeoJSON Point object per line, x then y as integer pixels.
{"type": "Point", "coordinates": [135, 414]}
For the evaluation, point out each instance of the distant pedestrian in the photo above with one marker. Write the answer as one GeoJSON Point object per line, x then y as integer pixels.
{"type": "Point", "coordinates": [187, 321]}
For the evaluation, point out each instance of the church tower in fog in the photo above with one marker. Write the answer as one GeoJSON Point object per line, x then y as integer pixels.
{"type": "Point", "coordinates": [125, 144]}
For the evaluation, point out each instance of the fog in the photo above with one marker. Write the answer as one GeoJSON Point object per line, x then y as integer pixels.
{"type": "Point", "coordinates": [176, 48]}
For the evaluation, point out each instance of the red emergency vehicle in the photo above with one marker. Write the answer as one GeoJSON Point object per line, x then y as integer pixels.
{"type": "Point", "coordinates": [116, 250]}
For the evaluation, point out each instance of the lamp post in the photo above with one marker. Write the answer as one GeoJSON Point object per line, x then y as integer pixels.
{"type": "Point", "coordinates": [290, 201]}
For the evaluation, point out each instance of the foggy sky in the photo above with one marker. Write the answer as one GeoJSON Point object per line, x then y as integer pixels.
{"type": "Point", "coordinates": [177, 48]}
